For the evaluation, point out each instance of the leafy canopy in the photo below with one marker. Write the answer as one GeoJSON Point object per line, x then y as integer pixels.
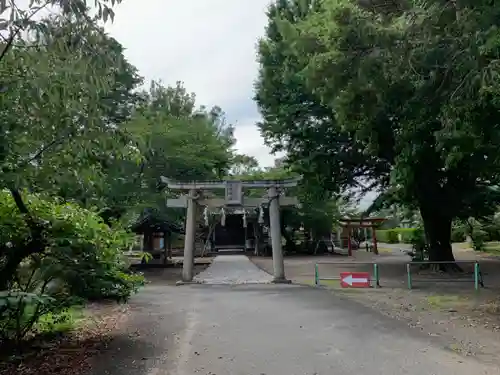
{"type": "Point", "coordinates": [410, 99]}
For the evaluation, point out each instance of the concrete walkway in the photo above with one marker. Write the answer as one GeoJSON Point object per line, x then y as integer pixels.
{"type": "Point", "coordinates": [233, 269]}
{"type": "Point", "coordinates": [270, 330]}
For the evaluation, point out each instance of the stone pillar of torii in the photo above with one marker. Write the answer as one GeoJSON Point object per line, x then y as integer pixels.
{"type": "Point", "coordinates": [233, 198]}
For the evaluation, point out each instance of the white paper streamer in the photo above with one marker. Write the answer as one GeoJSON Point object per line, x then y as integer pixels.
{"type": "Point", "coordinates": [223, 217]}
{"type": "Point", "coordinates": [261, 215]}
{"type": "Point", "coordinates": [205, 216]}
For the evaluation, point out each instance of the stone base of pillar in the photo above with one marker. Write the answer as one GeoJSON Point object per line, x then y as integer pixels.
{"type": "Point", "coordinates": [281, 281]}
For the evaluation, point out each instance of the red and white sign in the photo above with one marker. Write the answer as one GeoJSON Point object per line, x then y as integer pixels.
{"type": "Point", "coordinates": [355, 279]}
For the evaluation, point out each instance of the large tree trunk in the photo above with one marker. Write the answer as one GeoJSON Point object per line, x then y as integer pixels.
{"type": "Point", "coordinates": [437, 228]}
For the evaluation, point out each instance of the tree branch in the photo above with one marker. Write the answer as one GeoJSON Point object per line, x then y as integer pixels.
{"type": "Point", "coordinates": [18, 30]}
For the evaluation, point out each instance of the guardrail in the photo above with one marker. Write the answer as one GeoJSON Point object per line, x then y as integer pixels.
{"type": "Point", "coordinates": [478, 276]}
{"type": "Point", "coordinates": [375, 272]}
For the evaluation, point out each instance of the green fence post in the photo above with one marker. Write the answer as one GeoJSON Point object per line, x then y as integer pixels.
{"type": "Point", "coordinates": [476, 276]}
{"type": "Point", "coordinates": [408, 274]}
{"type": "Point", "coordinates": [376, 275]}
{"type": "Point", "coordinates": [316, 274]}
{"type": "Point", "coordinates": [480, 275]}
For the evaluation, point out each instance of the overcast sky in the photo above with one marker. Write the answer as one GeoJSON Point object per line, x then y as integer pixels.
{"type": "Point", "coordinates": [210, 45]}
{"type": "Point", "coordinates": [207, 44]}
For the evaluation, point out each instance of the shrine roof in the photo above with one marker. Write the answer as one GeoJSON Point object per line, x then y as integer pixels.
{"type": "Point", "coordinates": [154, 221]}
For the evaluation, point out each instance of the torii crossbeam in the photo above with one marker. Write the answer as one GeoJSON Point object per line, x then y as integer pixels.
{"type": "Point", "coordinates": [234, 198]}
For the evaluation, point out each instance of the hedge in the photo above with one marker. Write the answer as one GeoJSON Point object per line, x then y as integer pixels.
{"type": "Point", "coordinates": [392, 235]}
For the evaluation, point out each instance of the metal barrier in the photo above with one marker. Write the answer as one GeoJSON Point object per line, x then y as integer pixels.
{"type": "Point", "coordinates": [376, 275]}
{"type": "Point", "coordinates": [375, 280]}
{"type": "Point", "coordinates": [478, 276]}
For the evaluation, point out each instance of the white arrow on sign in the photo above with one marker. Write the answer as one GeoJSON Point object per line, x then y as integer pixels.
{"type": "Point", "coordinates": [349, 280]}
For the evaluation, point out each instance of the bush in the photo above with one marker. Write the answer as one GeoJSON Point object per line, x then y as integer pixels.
{"type": "Point", "coordinates": [407, 234]}
{"type": "Point", "coordinates": [458, 234]}
{"type": "Point", "coordinates": [82, 260]}
{"type": "Point", "coordinates": [392, 235]}
{"type": "Point", "coordinates": [387, 236]}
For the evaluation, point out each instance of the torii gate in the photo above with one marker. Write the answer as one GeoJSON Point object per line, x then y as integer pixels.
{"type": "Point", "coordinates": [233, 198]}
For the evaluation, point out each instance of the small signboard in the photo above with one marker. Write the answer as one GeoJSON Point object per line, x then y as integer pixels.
{"type": "Point", "coordinates": [355, 279]}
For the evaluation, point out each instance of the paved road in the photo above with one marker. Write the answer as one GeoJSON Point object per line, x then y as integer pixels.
{"type": "Point", "coordinates": [273, 330]}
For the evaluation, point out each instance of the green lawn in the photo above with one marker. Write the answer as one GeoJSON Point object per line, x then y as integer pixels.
{"type": "Point", "coordinates": [492, 248]}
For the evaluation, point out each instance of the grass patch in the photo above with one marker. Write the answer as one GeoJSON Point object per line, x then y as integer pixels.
{"type": "Point", "coordinates": [446, 301]}
{"type": "Point", "coordinates": [330, 283]}
{"type": "Point", "coordinates": [384, 250]}
{"type": "Point", "coordinates": [492, 248]}
{"type": "Point", "coordinates": [62, 322]}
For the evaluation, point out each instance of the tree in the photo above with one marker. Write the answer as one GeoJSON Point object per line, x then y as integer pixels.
{"type": "Point", "coordinates": [294, 119]}
{"type": "Point", "coordinates": [177, 140]}
{"type": "Point", "coordinates": [401, 91]}
{"type": "Point", "coordinates": [53, 84]}
{"type": "Point", "coordinates": [243, 164]}
{"type": "Point", "coordinates": [83, 260]}
{"type": "Point", "coordinates": [315, 216]}
{"type": "Point", "coordinates": [97, 155]}
{"type": "Point", "coordinates": [51, 98]}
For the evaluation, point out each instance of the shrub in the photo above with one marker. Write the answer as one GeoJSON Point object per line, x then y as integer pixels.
{"type": "Point", "coordinates": [387, 236]}
{"type": "Point", "coordinates": [82, 260]}
{"type": "Point", "coordinates": [392, 235]}
{"type": "Point", "coordinates": [407, 234]}
{"type": "Point", "coordinates": [458, 233]}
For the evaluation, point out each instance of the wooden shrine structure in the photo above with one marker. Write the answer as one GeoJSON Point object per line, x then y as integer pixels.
{"type": "Point", "coordinates": [348, 224]}
{"type": "Point", "coordinates": [155, 231]}
{"type": "Point", "coordinates": [234, 198]}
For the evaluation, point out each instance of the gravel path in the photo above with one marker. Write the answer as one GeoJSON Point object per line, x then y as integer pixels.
{"type": "Point", "coordinates": [233, 269]}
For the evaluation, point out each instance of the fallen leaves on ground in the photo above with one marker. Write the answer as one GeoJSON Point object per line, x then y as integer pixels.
{"type": "Point", "coordinates": [71, 353]}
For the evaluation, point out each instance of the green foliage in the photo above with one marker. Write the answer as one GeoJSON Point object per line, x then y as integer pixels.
{"type": "Point", "coordinates": [318, 213]}
{"type": "Point", "coordinates": [82, 251]}
{"type": "Point", "coordinates": [63, 321]}
{"type": "Point", "coordinates": [394, 235]}
{"type": "Point", "coordinates": [458, 233]}
{"type": "Point", "coordinates": [408, 234]}
{"type": "Point", "coordinates": [83, 260]}
{"type": "Point", "coordinates": [164, 129]}
{"type": "Point", "coordinates": [89, 148]}
{"type": "Point", "coordinates": [388, 236]}
{"type": "Point", "coordinates": [356, 96]}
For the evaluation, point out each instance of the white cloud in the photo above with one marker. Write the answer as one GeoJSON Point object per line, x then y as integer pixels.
{"type": "Point", "coordinates": [250, 143]}
{"type": "Point", "coordinates": [209, 45]}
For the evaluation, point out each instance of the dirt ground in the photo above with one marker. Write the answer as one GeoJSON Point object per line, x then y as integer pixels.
{"type": "Point", "coordinates": [438, 304]}
{"type": "Point", "coordinates": [72, 353]}
{"type": "Point", "coordinates": [170, 275]}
